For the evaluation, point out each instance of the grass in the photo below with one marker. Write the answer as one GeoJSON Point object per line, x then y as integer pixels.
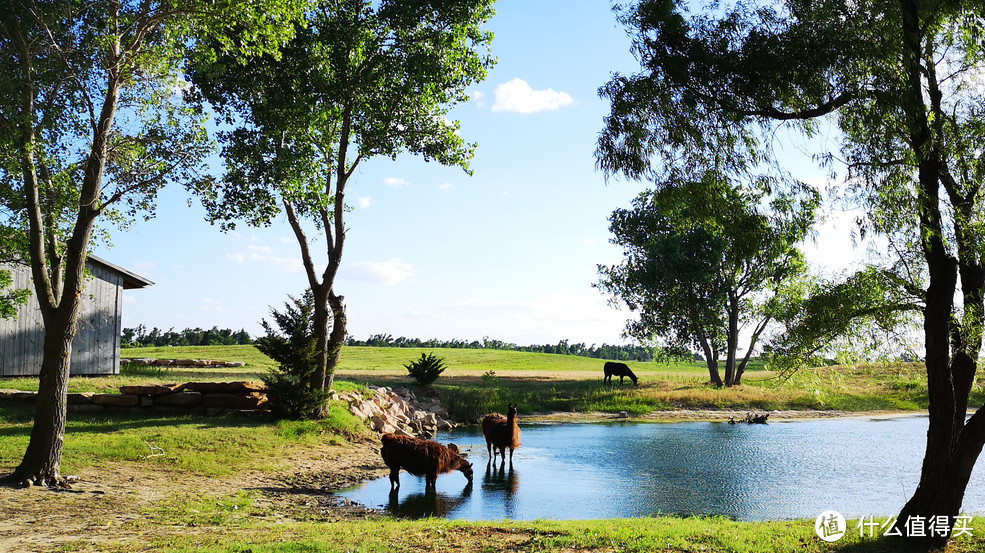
{"type": "Point", "coordinates": [476, 381]}
{"type": "Point", "coordinates": [671, 534]}
{"type": "Point", "coordinates": [483, 380]}
{"type": "Point", "coordinates": [205, 446]}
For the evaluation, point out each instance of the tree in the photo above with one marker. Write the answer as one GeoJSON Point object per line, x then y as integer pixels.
{"type": "Point", "coordinates": [91, 127]}
{"type": "Point", "coordinates": [703, 262]}
{"type": "Point", "coordinates": [293, 345]}
{"type": "Point", "coordinates": [902, 79]}
{"type": "Point", "coordinates": [361, 79]}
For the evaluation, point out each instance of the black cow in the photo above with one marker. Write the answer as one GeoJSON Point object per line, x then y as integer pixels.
{"type": "Point", "coordinates": [617, 369]}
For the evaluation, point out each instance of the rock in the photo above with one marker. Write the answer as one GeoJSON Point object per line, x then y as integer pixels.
{"type": "Point", "coordinates": [252, 400]}
{"type": "Point", "coordinates": [115, 400]}
{"type": "Point", "coordinates": [226, 387]}
{"type": "Point", "coordinates": [85, 408]}
{"type": "Point", "coordinates": [151, 390]}
{"type": "Point", "coordinates": [84, 398]}
{"type": "Point", "coordinates": [180, 399]}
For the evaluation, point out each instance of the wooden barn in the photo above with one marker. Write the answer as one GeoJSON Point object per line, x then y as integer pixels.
{"type": "Point", "coordinates": [96, 349]}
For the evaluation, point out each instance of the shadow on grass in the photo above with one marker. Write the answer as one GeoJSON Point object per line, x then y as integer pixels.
{"type": "Point", "coordinates": [109, 422]}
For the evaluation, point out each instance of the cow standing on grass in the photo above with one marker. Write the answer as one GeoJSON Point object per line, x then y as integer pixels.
{"type": "Point", "coordinates": [613, 368]}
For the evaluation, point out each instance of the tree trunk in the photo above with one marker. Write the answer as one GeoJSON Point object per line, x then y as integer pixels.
{"type": "Point", "coordinates": [732, 339]}
{"type": "Point", "coordinates": [42, 460]}
{"type": "Point", "coordinates": [711, 359]}
{"type": "Point", "coordinates": [953, 445]}
{"type": "Point", "coordinates": [337, 338]}
{"type": "Point", "coordinates": [321, 296]}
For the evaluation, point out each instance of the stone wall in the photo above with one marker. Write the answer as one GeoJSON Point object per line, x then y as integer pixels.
{"type": "Point", "coordinates": [388, 411]}
{"type": "Point", "coordinates": [192, 398]}
{"type": "Point", "coordinates": [152, 362]}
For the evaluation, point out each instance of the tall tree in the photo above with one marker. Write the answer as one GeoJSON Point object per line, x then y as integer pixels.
{"type": "Point", "coordinates": [903, 79]}
{"type": "Point", "coordinates": [91, 127]}
{"type": "Point", "coordinates": [705, 262]}
{"type": "Point", "coordinates": [361, 79]}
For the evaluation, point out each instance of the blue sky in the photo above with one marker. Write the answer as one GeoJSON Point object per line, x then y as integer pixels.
{"type": "Point", "coordinates": [510, 252]}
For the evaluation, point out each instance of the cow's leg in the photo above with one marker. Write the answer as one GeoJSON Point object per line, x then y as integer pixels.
{"type": "Point", "coordinates": [394, 479]}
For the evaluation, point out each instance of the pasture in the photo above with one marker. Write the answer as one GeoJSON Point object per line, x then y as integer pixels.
{"type": "Point", "coordinates": [255, 484]}
{"type": "Point", "coordinates": [477, 381]}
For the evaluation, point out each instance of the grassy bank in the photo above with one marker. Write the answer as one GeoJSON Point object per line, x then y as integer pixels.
{"type": "Point", "coordinates": [481, 380]}
{"type": "Point", "coordinates": [669, 534]}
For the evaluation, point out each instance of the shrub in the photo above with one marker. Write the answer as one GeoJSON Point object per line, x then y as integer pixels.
{"type": "Point", "coordinates": [427, 369]}
{"type": "Point", "coordinates": [293, 347]}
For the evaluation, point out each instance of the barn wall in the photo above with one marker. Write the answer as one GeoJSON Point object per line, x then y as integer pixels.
{"type": "Point", "coordinates": [95, 350]}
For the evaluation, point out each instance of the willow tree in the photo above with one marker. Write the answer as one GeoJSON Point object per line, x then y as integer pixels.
{"type": "Point", "coordinates": [91, 127]}
{"type": "Point", "coordinates": [361, 79]}
{"type": "Point", "coordinates": [901, 81]}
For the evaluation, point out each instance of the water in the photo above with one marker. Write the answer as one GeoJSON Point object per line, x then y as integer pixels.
{"type": "Point", "coordinates": [782, 470]}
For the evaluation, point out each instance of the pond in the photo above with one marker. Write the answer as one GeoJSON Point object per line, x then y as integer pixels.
{"type": "Point", "coordinates": [781, 470]}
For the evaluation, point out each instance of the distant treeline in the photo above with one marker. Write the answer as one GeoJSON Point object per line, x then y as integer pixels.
{"type": "Point", "coordinates": [605, 351]}
{"type": "Point", "coordinates": [140, 337]}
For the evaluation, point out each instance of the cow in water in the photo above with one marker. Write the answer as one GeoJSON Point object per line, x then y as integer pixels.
{"type": "Point", "coordinates": [612, 368]}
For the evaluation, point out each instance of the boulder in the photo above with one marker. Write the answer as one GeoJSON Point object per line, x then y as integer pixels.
{"type": "Point", "coordinates": [226, 387]}
{"type": "Point", "coordinates": [84, 398]}
{"type": "Point", "coordinates": [252, 400]}
{"type": "Point", "coordinates": [151, 390]}
{"type": "Point", "coordinates": [180, 399]}
{"type": "Point", "coordinates": [115, 400]}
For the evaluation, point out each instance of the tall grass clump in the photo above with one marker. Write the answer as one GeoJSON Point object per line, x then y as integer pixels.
{"type": "Point", "coordinates": [467, 404]}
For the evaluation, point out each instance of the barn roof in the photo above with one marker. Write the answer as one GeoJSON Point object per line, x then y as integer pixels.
{"type": "Point", "coordinates": [130, 280]}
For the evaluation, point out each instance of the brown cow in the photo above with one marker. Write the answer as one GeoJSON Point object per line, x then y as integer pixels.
{"type": "Point", "coordinates": [420, 458]}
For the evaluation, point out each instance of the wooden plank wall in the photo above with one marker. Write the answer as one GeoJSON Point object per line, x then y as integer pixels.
{"type": "Point", "coordinates": [95, 350]}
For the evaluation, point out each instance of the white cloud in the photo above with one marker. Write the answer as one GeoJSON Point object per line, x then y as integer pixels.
{"type": "Point", "coordinates": [479, 98]}
{"type": "Point", "coordinates": [211, 305]}
{"type": "Point", "coordinates": [396, 182]}
{"type": "Point", "coordinates": [592, 242]}
{"type": "Point", "coordinates": [365, 202]}
{"type": "Point", "coordinates": [446, 186]}
{"type": "Point", "coordinates": [480, 304]}
{"type": "Point", "coordinates": [517, 96]}
{"type": "Point", "coordinates": [264, 254]}
{"type": "Point", "coordinates": [387, 273]}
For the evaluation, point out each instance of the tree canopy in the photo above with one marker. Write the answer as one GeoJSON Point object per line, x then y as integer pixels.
{"type": "Point", "coordinates": [705, 261]}
{"type": "Point", "coordinates": [92, 125]}
{"type": "Point", "coordinates": [902, 83]}
{"type": "Point", "coordinates": [360, 79]}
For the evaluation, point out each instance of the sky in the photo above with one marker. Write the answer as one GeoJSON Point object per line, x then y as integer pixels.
{"type": "Point", "coordinates": [510, 252]}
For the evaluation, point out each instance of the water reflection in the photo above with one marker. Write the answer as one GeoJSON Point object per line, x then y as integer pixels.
{"type": "Point", "coordinates": [428, 503]}
{"type": "Point", "coordinates": [780, 470]}
{"type": "Point", "coordinates": [500, 485]}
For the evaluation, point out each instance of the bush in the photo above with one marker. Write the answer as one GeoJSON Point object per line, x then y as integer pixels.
{"type": "Point", "coordinates": [293, 347]}
{"type": "Point", "coordinates": [427, 369]}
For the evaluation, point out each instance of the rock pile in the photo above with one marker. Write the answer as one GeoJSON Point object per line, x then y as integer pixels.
{"type": "Point", "coordinates": [398, 411]}
{"type": "Point", "coordinates": [149, 362]}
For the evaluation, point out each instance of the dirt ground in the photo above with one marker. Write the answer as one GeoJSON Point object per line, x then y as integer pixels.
{"type": "Point", "coordinates": [101, 505]}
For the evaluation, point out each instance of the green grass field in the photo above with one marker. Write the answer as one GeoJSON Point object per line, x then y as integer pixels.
{"type": "Point", "coordinates": [199, 448]}
{"type": "Point", "coordinates": [481, 380]}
